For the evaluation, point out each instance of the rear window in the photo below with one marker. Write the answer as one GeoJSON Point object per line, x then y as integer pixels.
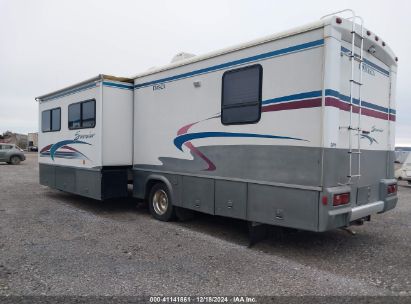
{"type": "Point", "coordinates": [82, 115]}
{"type": "Point", "coordinates": [5, 147]}
{"type": "Point", "coordinates": [51, 120]}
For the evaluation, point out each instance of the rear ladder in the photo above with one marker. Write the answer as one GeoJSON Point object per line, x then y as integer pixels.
{"type": "Point", "coordinates": [354, 105]}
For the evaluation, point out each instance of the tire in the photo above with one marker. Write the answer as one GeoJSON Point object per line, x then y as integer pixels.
{"type": "Point", "coordinates": [15, 160]}
{"type": "Point", "coordinates": [160, 204]}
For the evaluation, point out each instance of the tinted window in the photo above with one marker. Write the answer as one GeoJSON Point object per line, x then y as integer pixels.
{"type": "Point", "coordinates": [45, 121]}
{"type": "Point", "coordinates": [74, 116]}
{"type": "Point", "coordinates": [241, 98]}
{"type": "Point", "coordinates": [82, 115]}
{"type": "Point", "coordinates": [88, 114]}
{"type": "Point", "coordinates": [50, 120]}
{"type": "Point", "coordinates": [55, 119]}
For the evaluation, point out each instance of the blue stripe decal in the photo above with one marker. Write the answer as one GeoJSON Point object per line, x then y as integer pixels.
{"type": "Point", "coordinates": [287, 50]}
{"type": "Point", "coordinates": [118, 85]}
{"type": "Point", "coordinates": [369, 63]}
{"type": "Point", "coordinates": [180, 140]}
{"type": "Point", "coordinates": [72, 91]}
{"type": "Point", "coordinates": [305, 95]}
{"type": "Point", "coordinates": [328, 92]}
{"type": "Point", "coordinates": [369, 105]}
{"type": "Point", "coordinates": [60, 144]}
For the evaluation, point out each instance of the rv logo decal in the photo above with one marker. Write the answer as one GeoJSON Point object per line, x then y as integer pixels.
{"type": "Point", "coordinates": [369, 137]}
{"type": "Point", "coordinates": [160, 86]}
{"type": "Point", "coordinates": [374, 129]}
{"type": "Point", "coordinates": [78, 136]}
{"type": "Point", "coordinates": [367, 69]}
{"type": "Point", "coordinates": [62, 149]}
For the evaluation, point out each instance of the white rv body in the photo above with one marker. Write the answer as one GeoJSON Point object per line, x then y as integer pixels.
{"type": "Point", "coordinates": [268, 131]}
{"type": "Point", "coordinates": [278, 169]}
{"type": "Point", "coordinates": [70, 157]}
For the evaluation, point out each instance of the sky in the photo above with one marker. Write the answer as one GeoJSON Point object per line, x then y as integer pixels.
{"type": "Point", "coordinates": [47, 45]}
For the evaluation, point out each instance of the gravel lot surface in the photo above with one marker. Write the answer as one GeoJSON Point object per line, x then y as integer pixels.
{"type": "Point", "coordinates": [53, 243]}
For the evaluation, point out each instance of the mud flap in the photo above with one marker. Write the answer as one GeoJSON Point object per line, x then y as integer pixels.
{"type": "Point", "coordinates": [257, 232]}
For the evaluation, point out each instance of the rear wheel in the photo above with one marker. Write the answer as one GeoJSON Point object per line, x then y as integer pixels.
{"type": "Point", "coordinates": [160, 204]}
{"type": "Point", "coordinates": [15, 160]}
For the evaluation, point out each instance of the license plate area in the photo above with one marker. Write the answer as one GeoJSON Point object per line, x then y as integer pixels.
{"type": "Point", "coordinates": [363, 195]}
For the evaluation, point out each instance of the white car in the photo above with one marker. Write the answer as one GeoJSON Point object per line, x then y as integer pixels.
{"type": "Point", "coordinates": [403, 167]}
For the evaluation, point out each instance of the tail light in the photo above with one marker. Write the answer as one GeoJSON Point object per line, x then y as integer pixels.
{"type": "Point", "coordinates": [341, 199]}
{"type": "Point", "coordinates": [391, 189]}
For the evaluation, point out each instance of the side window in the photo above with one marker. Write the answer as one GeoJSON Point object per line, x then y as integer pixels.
{"type": "Point", "coordinates": [45, 121]}
{"type": "Point", "coordinates": [241, 96]}
{"type": "Point", "coordinates": [56, 119]}
{"type": "Point", "coordinates": [82, 115]}
{"type": "Point", "coordinates": [88, 114]}
{"type": "Point", "coordinates": [74, 116]}
{"type": "Point", "coordinates": [51, 120]}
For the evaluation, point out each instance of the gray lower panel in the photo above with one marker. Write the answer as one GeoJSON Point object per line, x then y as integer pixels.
{"type": "Point", "coordinates": [286, 207]}
{"type": "Point", "coordinates": [231, 199]}
{"type": "Point", "coordinates": [88, 183]}
{"type": "Point", "coordinates": [47, 175]}
{"type": "Point", "coordinates": [268, 204]}
{"type": "Point", "coordinates": [375, 165]}
{"type": "Point", "coordinates": [198, 194]}
{"type": "Point", "coordinates": [65, 179]}
{"type": "Point", "coordinates": [282, 164]}
{"type": "Point", "coordinates": [98, 184]}
{"type": "Point", "coordinates": [240, 186]}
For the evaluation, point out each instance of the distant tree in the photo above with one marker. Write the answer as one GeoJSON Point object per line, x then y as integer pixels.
{"type": "Point", "coordinates": [22, 143]}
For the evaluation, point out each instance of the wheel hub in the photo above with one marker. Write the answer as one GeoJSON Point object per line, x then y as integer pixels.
{"type": "Point", "coordinates": [160, 202]}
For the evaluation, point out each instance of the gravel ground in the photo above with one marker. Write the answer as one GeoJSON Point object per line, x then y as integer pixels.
{"type": "Point", "coordinates": [53, 243]}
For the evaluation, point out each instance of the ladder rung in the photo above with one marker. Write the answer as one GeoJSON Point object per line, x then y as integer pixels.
{"type": "Point", "coordinates": [354, 152]}
{"type": "Point", "coordinates": [357, 34]}
{"type": "Point", "coordinates": [355, 82]}
{"type": "Point", "coordinates": [357, 58]}
{"type": "Point", "coordinates": [355, 175]}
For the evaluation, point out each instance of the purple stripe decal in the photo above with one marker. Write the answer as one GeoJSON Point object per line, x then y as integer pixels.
{"type": "Point", "coordinates": [329, 102]}
{"type": "Point", "coordinates": [299, 104]}
{"type": "Point", "coordinates": [335, 102]}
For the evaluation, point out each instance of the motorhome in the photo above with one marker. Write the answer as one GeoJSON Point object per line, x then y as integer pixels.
{"type": "Point", "coordinates": [295, 129]}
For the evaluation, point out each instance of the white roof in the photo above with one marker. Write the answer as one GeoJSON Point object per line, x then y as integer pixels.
{"type": "Point", "coordinates": [291, 32]}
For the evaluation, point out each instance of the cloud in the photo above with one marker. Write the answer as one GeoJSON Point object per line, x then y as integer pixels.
{"type": "Point", "coordinates": [47, 45]}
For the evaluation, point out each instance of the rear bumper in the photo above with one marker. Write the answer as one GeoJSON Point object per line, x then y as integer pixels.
{"type": "Point", "coordinates": [342, 216]}
{"type": "Point", "coordinates": [365, 210]}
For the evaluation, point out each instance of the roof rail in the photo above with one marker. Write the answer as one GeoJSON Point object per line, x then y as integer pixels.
{"type": "Point", "coordinates": [353, 16]}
